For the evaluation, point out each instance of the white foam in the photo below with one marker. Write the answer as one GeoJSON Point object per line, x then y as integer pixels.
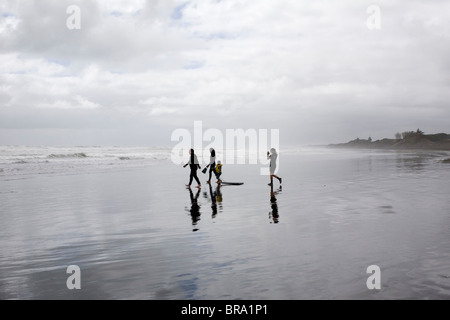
{"type": "Point", "coordinates": [29, 161]}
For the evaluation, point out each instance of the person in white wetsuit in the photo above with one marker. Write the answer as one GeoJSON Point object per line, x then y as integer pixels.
{"type": "Point", "coordinates": [272, 156]}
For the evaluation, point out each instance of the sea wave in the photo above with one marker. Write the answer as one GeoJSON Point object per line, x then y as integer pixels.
{"type": "Point", "coordinates": [125, 158]}
{"type": "Point", "coordinates": [65, 156]}
{"type": "Point", "coordinates": [29, 161]}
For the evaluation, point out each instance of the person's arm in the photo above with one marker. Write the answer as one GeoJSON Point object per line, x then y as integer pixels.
{"type": "Point", "coordinates": [268, 155]}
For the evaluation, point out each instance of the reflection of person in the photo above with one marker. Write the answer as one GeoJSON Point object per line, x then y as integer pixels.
{"type": "Point", "coordinates": [216, 198]}
{"type": "Point", "coordinates": [219, 196]}
{"type": "Point", "coordinates": [212, 164]}
{"type": "Point", "coordinates": [213, 201]}
{"type": "Point", "coordinates": [195, 208]}
{"type": "Point", "coordinates": [273, 215]}
{"type": "Point", "coordinates": [194, 165]}
{"type": "Point", "coordinates": [272, 156]}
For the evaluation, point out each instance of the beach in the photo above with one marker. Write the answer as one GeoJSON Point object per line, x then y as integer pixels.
{"type": "Point", "coordinates": [136, 232]}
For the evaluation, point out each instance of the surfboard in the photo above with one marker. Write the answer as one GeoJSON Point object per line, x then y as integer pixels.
{"type": "Point", "coordinates": [224, 183]}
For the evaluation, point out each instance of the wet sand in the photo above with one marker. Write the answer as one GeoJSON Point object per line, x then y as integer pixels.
{"type": "Point", "coordinates": [138, 233]}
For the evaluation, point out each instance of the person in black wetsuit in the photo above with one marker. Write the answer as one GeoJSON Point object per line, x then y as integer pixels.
{"type": "Point", "coordinates": [212, 164]}
{"type": "Point", "coordinates": [194, 165]}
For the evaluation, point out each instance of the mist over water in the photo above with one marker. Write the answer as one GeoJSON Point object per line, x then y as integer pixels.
{"type": "Point", "coordinates": [137, 233]}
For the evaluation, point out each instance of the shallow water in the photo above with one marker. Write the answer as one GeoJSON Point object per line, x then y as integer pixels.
{"type": "Point", "coordinates": [136, 233]}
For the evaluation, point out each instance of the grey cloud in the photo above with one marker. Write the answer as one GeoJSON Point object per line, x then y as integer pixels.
{"type": "Point", "coordinates": [312, 69]}
{"type": "Point", "coordinates": [118, 43]}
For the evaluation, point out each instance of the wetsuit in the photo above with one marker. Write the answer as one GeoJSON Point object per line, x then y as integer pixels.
{"type": "Point", "coordinates": [212, 164]}
{"type": "Point", "coordinates": [193, 165]}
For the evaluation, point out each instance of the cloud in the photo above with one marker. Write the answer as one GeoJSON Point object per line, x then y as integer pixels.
{"type": "Point", "coordinates": [119, 35]}
{"type": "Point", "coordinates": [312, 69]}
{"type": "Point", "coordinates": [77, 103]}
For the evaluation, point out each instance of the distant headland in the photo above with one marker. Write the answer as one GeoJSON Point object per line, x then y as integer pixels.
{"type": "Point", "coordinates": [409, 140]}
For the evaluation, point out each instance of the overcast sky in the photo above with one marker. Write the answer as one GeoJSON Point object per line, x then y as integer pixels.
{"type": "Point", "coordinates": [137, 70]}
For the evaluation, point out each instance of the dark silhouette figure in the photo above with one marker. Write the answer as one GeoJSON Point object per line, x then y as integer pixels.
{"type": "Point", "coordinates": [212, 164]}
{"type": "Point", "coordinates": [213, 195]}
{"type": "Point", "coordinates": [194, 166]}
{"type": "Point", "coordinates": [273, 215]}
{"type": "Point", "coordinates": [195, 209]}
{"type": "Point", "coordinates": [216, 199]}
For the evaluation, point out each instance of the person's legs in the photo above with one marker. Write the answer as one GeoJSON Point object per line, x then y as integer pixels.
{"type": "Point", "coordinates": [272, 175]}
{"type": "Point", "coordinates": [196, 178]}
{"type": "Point", "coordinates": [218, 176]}
{"type": "Point", "coordinates": [212, 169]}
{"type": "Point", "coordinates": [191, 177]}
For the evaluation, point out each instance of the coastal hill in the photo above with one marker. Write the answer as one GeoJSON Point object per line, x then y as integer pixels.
{"type": "Point", "coordinates": [407, 140]}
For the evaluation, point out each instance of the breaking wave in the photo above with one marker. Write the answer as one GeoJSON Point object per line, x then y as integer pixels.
{"type": "Point", "coordinates": [66, 156]}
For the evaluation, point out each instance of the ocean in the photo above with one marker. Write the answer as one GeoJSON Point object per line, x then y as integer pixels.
{"type": "Point", "coordinates": [124, 216]}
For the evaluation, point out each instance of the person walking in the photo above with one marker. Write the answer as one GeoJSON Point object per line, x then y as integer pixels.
{"type": "Point", "coordinates": [272, 156]}
{"type": "Point", "coordinates": [194, 166]}
{"type": "Point", "coordinates": [218, 171]}
{"type": "Point", "coordinates": [212, 164]}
